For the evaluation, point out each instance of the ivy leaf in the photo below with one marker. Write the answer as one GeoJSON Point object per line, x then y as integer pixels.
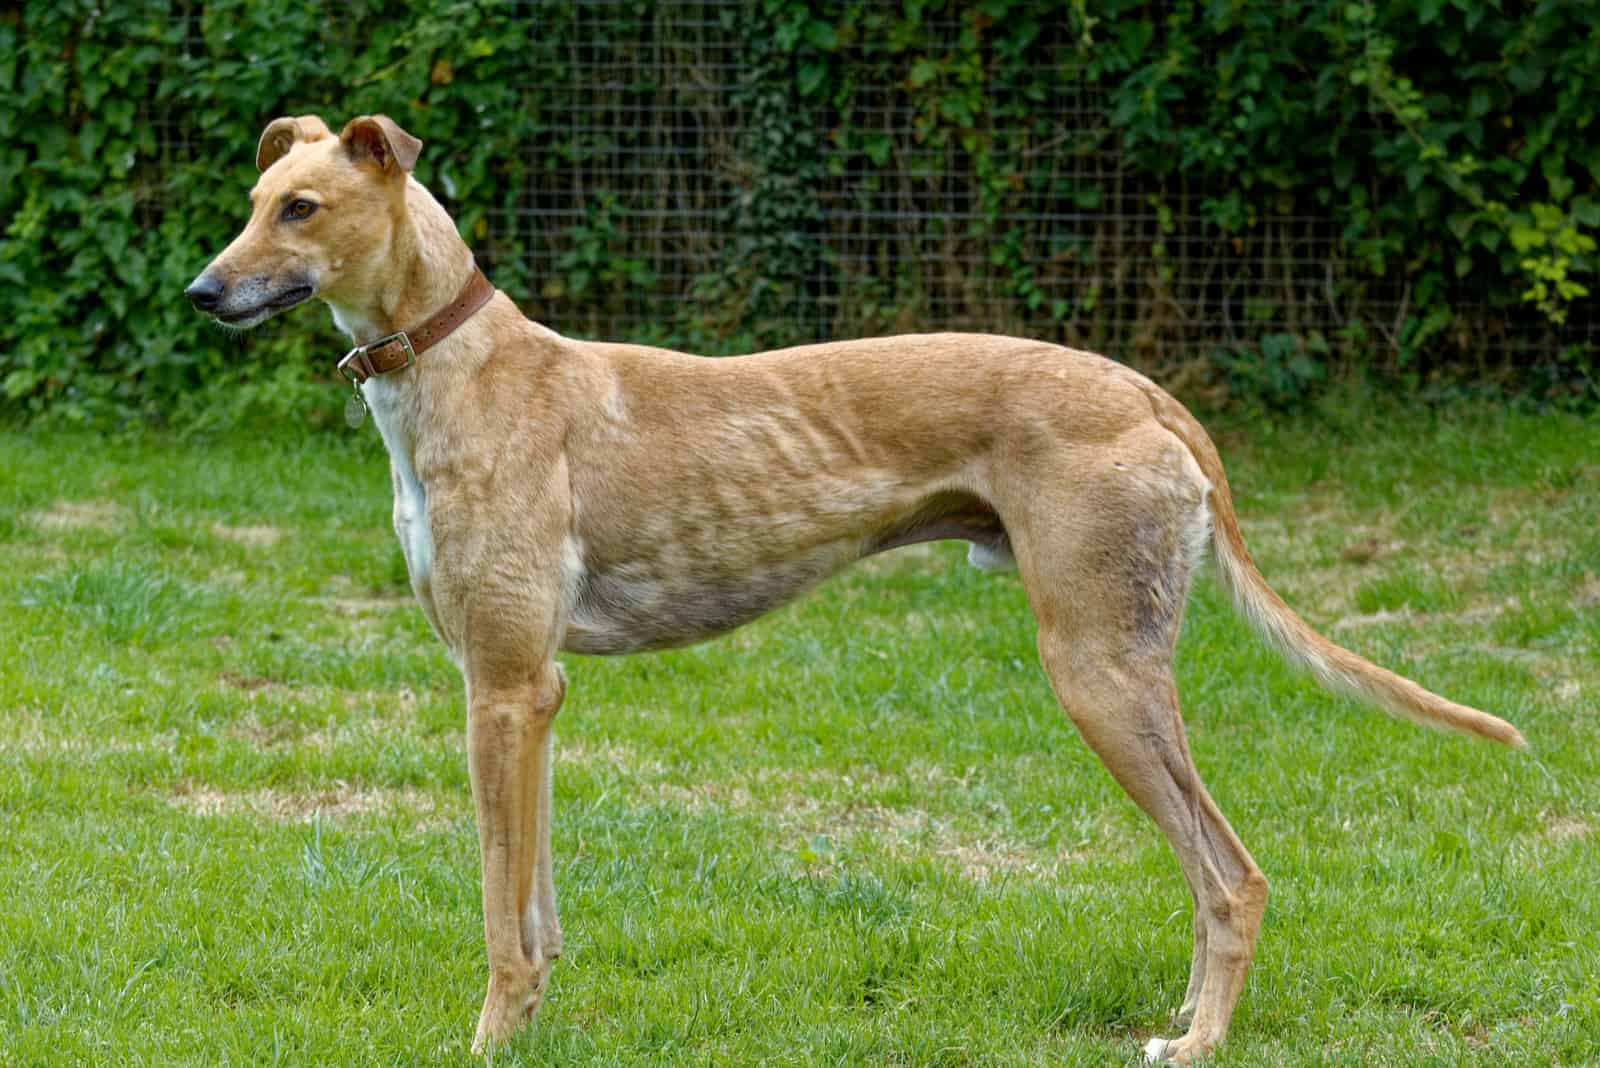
{"type": "Point", "coordinates": [1524, 237]}
{"type": "Point", "coordinates": [810, 77]}
{"type": "Point", "coordinates": [1529, 74]}
{"type": "Point", "coordinates": [822, 35]}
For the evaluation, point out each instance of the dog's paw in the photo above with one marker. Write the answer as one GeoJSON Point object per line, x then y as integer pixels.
{"type": "Point", "coordinates": [1186, 1050]}
{"type": "Point", "coordinates": [512, 1000]}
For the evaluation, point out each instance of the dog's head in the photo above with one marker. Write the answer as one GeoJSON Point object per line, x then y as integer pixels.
{"type": "Point", "coordinates": [322, 217]}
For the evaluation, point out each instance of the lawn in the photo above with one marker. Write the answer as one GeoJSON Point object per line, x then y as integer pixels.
{"type": "Point", "coordinates": [236, 827]}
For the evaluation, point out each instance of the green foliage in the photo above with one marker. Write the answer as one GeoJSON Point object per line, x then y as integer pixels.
{"type": "Point", "coordinates": [1449, 146]}
{"type": "Point", "coordinates": [126, 150]}
{"type": "Point", "coordinates": [762, 293]}
{"type": "Point", "coordinates": [598, 269]}
{"type": "Point", "coordinates": [1442, 143]}
{"type": "Point", "coordinates": [1282, 370]}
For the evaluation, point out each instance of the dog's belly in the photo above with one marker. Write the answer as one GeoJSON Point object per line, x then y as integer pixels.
{"type": "Point", "coordinates": [637, 608]}
{"type": "Point", "coordinates": [649, 604]}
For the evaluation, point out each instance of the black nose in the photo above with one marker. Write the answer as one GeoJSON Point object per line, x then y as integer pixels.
{"type": "Point", "coordinates": [205, 292]}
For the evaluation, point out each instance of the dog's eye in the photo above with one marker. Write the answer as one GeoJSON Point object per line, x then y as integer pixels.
{"type": "Point", "coordinates": [296, 210]}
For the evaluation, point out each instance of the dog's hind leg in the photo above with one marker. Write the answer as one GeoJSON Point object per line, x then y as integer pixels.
{"type": "Point", "coordinates": [1107, 588]}
{"type": "Point", "coordinates": [1130, 719]}
{"type": "Point", "coordinates": [1197, 966]}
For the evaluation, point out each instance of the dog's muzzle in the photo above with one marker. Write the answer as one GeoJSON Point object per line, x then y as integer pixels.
{"type": "Point", "coordinates": [244, 305]}
{"type": "Point", "coordinates": [205, 293]}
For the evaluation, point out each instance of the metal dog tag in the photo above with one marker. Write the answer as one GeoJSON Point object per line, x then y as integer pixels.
{"type": "Point", "coordinates": [355, 409]}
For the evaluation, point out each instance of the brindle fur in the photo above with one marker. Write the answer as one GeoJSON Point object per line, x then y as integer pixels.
{"type": "Point", "coordinates": [602, 498]}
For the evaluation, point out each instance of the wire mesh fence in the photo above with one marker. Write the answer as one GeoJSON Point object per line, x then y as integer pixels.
{"type": "Point", "coordinates": [631, 211]}
{"type": "Point", "coordinates": [648, 185]}
{"type": "Point", "coordinates": [725, 175]}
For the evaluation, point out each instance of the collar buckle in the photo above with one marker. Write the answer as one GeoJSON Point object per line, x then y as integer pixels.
{"type": "Point", "coordinates": [358, 364]}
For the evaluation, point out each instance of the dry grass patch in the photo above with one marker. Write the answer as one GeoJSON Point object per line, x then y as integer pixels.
{"type": "Point", "coordinates": [79, 515]}
{"type": "Point", "coordinates": [1371, 548]}
{"type": "Point", "coordinates": [1558, 833]}
{"type": "Point", "coordinates": [915, 625]}
{"type": "Point", "coordinates": [367, 606]}
{"type": "Point", "coordinates": [249, 683]}
{"type": "Point", "coordinates": [394, 715]}
{"type": "Point", "coordinates": [912, 834]}
{"type": "Point", "coordinates": [404, 700]}
{"type": "Point", "coordinates": [42, 557]}
{"type": "Point", "coordinates": [92, 746]}
{"type": "Point", "coordinates": [812, 805]}
{"type": "Point", "coordinates": [606, 754]}
{"type": "Point", "coordinates": [340, 802]}
{"type": "Point", "coordinates": [1480, 612]}
{"type": "Point", "coordinates": [920, 559]}
{"type": "Point", "coordinates": [266, 735]}
{"type": "Point", "coordinates": [1559, 829]}
{"type": "Point", "coordinates": [256, 537]}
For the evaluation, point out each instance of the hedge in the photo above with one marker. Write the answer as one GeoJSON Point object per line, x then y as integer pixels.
{"type": "Point", "coordinates": [1451, 148]}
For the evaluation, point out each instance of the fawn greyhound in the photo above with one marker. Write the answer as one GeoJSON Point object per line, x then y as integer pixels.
{"type": "Point", "coordinates": [552, 494]}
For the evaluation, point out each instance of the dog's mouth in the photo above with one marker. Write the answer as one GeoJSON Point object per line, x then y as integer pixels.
{"type": "Point", "coordinates": [267, 308]}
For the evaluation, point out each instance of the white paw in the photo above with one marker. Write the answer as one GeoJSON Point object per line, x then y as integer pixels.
{"type": "Point", "coordinates": [1155, 1051]}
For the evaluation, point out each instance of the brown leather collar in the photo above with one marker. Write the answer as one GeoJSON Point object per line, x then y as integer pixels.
{"type": "Point", "coordinates": [400, 349]}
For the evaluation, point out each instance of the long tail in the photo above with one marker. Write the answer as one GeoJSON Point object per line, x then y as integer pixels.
{"type": "Point", "coordinates": [1335, 667]}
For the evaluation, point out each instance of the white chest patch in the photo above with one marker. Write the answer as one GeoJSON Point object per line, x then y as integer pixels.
{"type": "Point", "coordinates": [410, 500]}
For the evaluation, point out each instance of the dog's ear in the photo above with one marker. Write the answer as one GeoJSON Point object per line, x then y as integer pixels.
{"type": "Point", "coordinates": [378, 139]}
{"type": "Point", "coordinates": [281, 135]}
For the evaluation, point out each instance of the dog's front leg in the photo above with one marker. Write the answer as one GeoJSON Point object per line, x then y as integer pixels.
{"type": "Point", "coordinates": [541, 931]}
{"type": "Point", "coordinates": [508, 754]}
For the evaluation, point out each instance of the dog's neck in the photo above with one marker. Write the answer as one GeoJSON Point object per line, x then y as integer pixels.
{"type": "Point", "coordinates": [429, 263]}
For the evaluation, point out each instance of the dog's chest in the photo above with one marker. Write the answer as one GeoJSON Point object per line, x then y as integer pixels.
{"type": "Point", "coordinates": [410, 500]}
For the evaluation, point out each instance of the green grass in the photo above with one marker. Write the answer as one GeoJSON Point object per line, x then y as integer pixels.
{"type": "Point", "coordinates": [235, 824]}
